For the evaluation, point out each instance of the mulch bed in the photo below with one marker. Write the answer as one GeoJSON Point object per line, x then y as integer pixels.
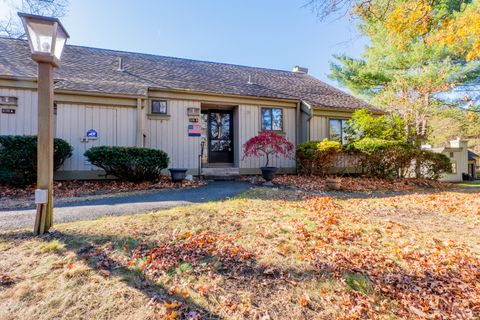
{"type": "Point", "coordinates": [80, 188]}
{"type": "Point", "coordinates": [312, 183]}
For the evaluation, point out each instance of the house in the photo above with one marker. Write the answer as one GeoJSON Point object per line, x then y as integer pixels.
{"type": "Point", "coordinates": [457, 151]}
{"type": "Point", "coordinates": [473, 164]}
{"type": "Point", "coordinates": [194, 110]}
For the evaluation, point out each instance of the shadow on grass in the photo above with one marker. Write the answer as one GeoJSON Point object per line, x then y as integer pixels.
{"type": "Point", "coordinates": [298, 194]}
{"type": "Point", "coordinates": [83, 245]}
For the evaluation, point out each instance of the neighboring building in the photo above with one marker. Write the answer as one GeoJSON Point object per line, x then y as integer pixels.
{"type": "Point", "coordinates": [106, 97]}
{"type": "Point", "coordinates": [458, 154]}
{"type": "Point", "coordinates": [473, 164]}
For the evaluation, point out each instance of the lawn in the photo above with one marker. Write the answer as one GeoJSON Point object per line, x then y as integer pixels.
{"type": "Point", "coordinates": [268, 254]}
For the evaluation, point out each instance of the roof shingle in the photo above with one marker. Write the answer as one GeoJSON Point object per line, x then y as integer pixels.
{"type": "Point", "coordinates": [96, 70]}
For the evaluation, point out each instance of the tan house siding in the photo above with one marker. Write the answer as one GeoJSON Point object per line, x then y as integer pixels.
{"type": "Point", "coordinates": [318, 128]}
{"type": "Point", "coordinates": [24, 121]}
{"type": "Point", "coordinates": [249, 122]}
{"type": "Point", "coordinates": [115, 126]}
{"type": "Point", "coordinates": [171, 136]}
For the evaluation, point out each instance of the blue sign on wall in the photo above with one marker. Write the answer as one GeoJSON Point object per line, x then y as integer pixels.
{"type": "Point", "coordinates": [92, 134]}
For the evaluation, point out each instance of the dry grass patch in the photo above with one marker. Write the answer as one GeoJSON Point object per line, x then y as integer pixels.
{"type": "Point", "coordinates": [270, 254]}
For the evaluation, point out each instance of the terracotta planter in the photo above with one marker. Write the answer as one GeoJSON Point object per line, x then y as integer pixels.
{"type": "Point", "coordinates": [268, 173]}
{"type": "Point", "coordinates": [178, 175]}
{"type": "Point", "coordinates": [333, 184]}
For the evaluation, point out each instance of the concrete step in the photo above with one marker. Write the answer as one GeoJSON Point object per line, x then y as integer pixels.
{"type": "Point", "coordinates": [221, 173]}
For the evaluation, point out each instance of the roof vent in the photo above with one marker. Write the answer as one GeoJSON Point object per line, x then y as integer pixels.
{"type": "Point", "coordinates": [249, 79]}
{"type": "Point", "coordinates": [298, 69]}
{"type": "Point", "coordinates": [120, 64]}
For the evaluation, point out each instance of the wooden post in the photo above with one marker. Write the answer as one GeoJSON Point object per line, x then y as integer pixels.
{"type": "Point", "coordinates": [44, 218]}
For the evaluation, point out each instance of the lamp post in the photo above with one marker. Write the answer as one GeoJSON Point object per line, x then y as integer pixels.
{"type": "Point", "coordinates": [47, 38]}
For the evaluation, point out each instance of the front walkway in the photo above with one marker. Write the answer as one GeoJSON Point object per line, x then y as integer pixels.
{"type": "Point", "coordinates": [123, 205]}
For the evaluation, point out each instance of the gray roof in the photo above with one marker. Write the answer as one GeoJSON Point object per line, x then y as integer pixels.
{"type": "Point", "coordinates": [96, 70]}
{"type": "Point", "coordinates": [472, 155]}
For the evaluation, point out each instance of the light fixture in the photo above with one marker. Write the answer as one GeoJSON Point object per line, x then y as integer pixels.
{"type": "Point", "coordinates": [46, 36]}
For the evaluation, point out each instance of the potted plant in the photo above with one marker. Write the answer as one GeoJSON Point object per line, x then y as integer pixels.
{"type": "Point", "coordinates": [178, 175]}
{"type": "Point", "coordinates": [333, 183]}
{"type": "Point", "coordinates": [268, 144]}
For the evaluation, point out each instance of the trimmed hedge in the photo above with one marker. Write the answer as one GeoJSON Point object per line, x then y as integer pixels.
{"type": "Point", "coordinates": [316, 157]}
{"type": "Point", "coordinates": [18, 158]}
{"type": "Point", "coordinates": [129, 163]}
{"type": "Point", "coordinates": [376, 158]}
{"type": "Point", "coordinates": [433, 165]}
{"type": "Point", "coordinates": [384, 158]}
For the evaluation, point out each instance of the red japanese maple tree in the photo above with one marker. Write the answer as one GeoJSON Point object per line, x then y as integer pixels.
{"type": "Point", "coordinates": [268, 143]}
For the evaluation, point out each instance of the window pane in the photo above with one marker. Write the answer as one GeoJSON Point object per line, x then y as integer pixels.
{"type": "Point", "coordinates": [277, 117]}
{"type": "Point", "coordinates": [159, 106]}
{"type": "Point", "coordinates": [335, 130]}
{"type": "Point", "coordinates": [266, 119]}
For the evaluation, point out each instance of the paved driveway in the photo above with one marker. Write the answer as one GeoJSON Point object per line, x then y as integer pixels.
{"type": "Point", "coordinates": [93, 209]}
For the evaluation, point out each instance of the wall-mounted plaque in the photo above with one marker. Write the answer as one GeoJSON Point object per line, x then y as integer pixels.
{"type": "Point", "coordinates": [8, 101]}
{"type": "Point", "coordinates": [193, 111]}
{"type": "Point", "coordinates": [8, 111]}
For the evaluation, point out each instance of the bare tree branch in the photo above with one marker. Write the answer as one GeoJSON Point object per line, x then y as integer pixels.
{"type": "Point", "coordinates": [11, 26]}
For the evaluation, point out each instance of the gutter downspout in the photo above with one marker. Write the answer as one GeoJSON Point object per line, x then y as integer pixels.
{"type": "Point", "coordinates": [306, 113]}
{"type": "Point", "coordinates": [139, 132]}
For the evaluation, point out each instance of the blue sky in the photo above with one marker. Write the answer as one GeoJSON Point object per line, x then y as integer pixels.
{"type": "Point", "coordinates": [266, 33]}
{"type": "Point", "coordinates": [276, 34]}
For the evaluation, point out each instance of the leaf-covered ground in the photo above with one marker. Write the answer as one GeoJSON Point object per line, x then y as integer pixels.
{"type": "Point", "coordinates": [270, 254]}
{"type": "Point", "coordinates": [74, 189]}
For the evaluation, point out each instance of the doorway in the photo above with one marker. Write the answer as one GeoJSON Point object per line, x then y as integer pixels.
{"type": "Point", "coordinates": [218, 137]}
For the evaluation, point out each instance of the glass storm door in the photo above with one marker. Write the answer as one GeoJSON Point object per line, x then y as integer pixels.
{"type": "Point", "coordinates": [220, 136]}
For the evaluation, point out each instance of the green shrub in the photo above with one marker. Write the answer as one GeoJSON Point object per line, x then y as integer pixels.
{"type": "Point", "coordinates": [18, 158]}
{"type": "Point", "coordinates": [129, 163]}
{"type": "Point", "coordinates": [383, 158]}
{"type": "Point", "coordinates": [316, 157]}
{"type": "Point", "coordinates": [433, 165]}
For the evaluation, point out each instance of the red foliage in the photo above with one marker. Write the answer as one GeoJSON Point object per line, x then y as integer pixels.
{"type": "Point", "coordinates": [199, 251]}
{"type": "Point", "coordinates": [268, 143]}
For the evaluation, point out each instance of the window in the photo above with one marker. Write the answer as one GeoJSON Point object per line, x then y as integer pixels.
{"type": "Point", "coordinates": [272, 119]}
{"type": "Point", "coordinates": [338, 130]}
{"type": "Point", "coordinates": [451, 154]}
{"type": "Point", "coordinates": [159, 107]}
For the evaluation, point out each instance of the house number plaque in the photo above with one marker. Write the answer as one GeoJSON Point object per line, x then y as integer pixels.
{"type": "Point", "coordinates": [8, 111]}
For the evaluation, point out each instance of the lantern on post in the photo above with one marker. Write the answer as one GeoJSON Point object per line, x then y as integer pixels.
{"type": "Point", "coordinates": [47, 38]}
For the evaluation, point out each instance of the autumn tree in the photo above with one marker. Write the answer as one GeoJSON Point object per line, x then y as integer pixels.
{"type": "Point", "coordinates": [413, 55]}
{"type": "Point", "coordinates": [11, 26]}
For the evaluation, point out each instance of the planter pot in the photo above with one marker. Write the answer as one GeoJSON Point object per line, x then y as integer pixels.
{"type": "Point", "coordinates": [178, 175]}
{"type": "Point", "coordinates": [268, 173]}
{"type": "Point", "coordinates": [333, 184]}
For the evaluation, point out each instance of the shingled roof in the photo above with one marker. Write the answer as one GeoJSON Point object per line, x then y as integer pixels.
{"type": "Point", "coordinates": [96, 70]}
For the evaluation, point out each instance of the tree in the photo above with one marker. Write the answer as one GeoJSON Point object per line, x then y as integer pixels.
{"type": "Point", "coordinates": [11, 26]}
{"type": "Point", "coordinates": [268, 143]}
{"type": "Point", "coordinates": [410, 59]}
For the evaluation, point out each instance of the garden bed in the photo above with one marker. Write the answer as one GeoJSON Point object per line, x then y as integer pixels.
{"type": "Point", "coordinates": [313, 183]}
{"type": "Point", "coordinates": [74, 189]}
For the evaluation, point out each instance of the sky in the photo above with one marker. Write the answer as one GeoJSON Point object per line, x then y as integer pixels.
{"type": "Point", "coordinates": [276, 34]}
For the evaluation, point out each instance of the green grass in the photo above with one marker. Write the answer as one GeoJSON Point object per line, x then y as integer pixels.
{"type": "Point", "coordinates": [290, 275]}
{"type": "Point", "coordinates": [470, 184]}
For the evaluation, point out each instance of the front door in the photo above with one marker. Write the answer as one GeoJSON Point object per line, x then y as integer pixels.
{"type": "Point", "coordinates": [220, 136]}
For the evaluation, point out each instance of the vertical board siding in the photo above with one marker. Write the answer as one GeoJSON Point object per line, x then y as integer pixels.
{"type": "Point", "coordinates": [318, 128]}
{"type": "Point", "coordinates": [249, 122]}
{"type": "Point", "coordinates": [171, 135]}
{"type": "Point", "coordinates": [24, 121]}
{"type": "Point", "coordinates": [115, 126]}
